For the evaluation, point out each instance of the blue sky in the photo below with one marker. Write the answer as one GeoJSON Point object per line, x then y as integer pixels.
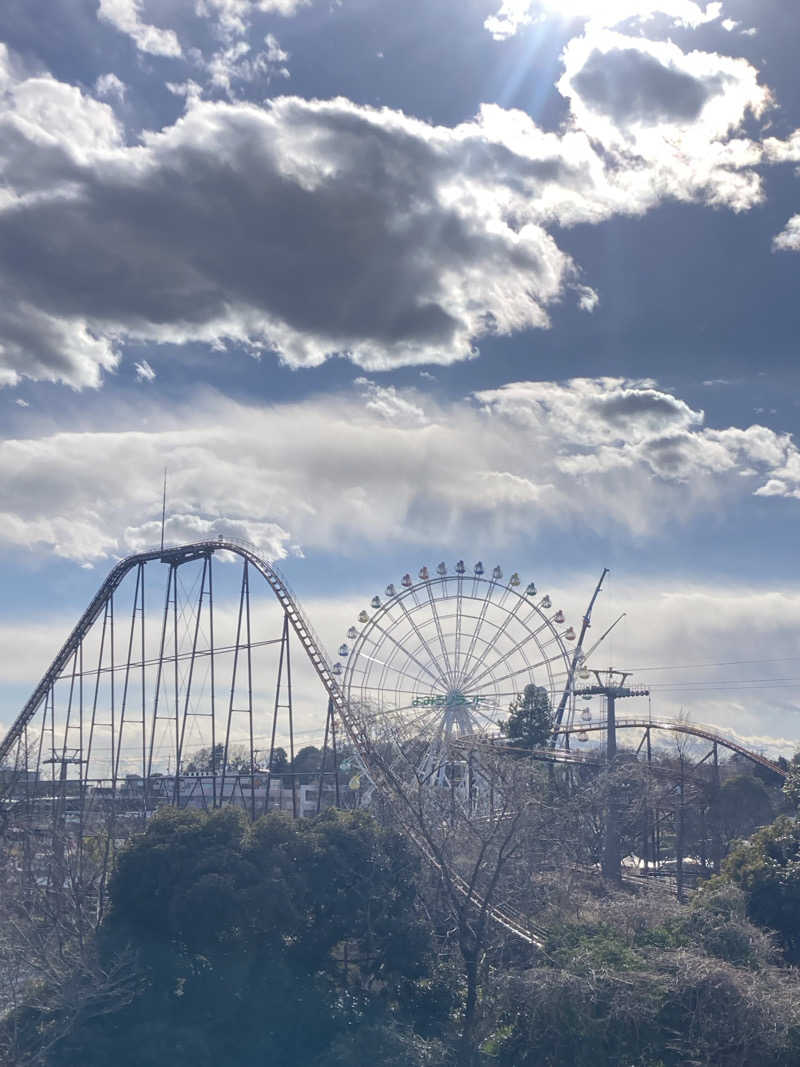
{"type": "Point", "coordinates": [382, 283]}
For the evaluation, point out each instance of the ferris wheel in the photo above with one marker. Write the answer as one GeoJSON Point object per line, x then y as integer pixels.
{"type": "Point", "coordinates": [445, 655]}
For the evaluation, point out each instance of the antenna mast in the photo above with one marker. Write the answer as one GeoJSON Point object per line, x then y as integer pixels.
{"type": "Point", "coordinates": [163, 509]}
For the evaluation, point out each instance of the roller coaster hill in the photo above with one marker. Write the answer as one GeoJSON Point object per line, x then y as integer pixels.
{"type": "Point", "coordinates": [195, 679]}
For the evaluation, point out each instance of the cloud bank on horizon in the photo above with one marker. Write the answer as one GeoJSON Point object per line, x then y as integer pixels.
{"type": "Point", "coordinates": [381, 465]}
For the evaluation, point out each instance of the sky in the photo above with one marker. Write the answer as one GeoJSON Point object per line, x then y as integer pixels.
{"type": "Point", "coordinates": [385, 283]}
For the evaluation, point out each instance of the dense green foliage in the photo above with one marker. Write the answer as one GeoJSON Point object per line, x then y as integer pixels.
{"type": "Point", "coordinates": [271, 943]}
{"type": "Point", "coordinates": [767, 868]}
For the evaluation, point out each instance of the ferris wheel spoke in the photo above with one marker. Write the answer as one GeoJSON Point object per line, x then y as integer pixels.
{"type": "Point", "coordinates": [457, 657]}
{"type": "Point", "coordinates": [389, 666]}
{"type": "Point", "coordinates": [438, 625]}
{"type": "Point", "coordinates": [526, 670]}
{"type": "Point", "coordinates": [395, 712]}
{"type": "Point", "coordinates": [421, 724]}
{"type": "Point", "coordinates": [475, 633]}
{"type": "Point", "coordinates": [492, 644]}
{"type": "Point", "coordinates": [423, 641]}
{"type": "Point", "coordinates": [477, 714]}
{"type": "Point", "coordinates": [474, 679]}
{"type": "Point", "coordinates": [502, 699]}
{"type": "Point", "coordinates": [381, 693]}
{"type": "Point", "coordinates": [436, 678]}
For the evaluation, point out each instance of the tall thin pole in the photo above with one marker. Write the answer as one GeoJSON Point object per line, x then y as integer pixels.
{"type": "Point", "coordinates": [611, 857]}
{"type": "Point", "coordinates": [164, 509]}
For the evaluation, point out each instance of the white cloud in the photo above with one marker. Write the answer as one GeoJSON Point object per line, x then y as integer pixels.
{"type": "Point", "coordinates": [235, 63]}
{"type": "Point", "coordinates": [109, 85]}
{"type": "Point", "coordinates": [667, 115]}
{"type": "Point", "coordinates": [144, 372]}
{"type": "Point", "coordinates": [513, 15]}
{"type": "Point", "coordinates": [390, 404]}
{"type": "Point", "coordinates": [788, 240]}
{"type": "Point", "coordinates": [125, 15]}
{"type": "Point", "coordinates": [785, 151]}
{"type": "Point", "coordinates": [778, 151]}
{"type": "Point", "coordinates": [626, 432]}
{"type": "Point", "coordinates": [233, 17]}
{"type": "Point", "coordinates": [388, 466]}
{"type": "Point", "coordinates": [21, 403]}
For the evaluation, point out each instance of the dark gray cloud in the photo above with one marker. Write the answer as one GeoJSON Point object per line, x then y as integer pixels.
{"type": "Point", "coordinates": [303, 227]}
{"type": "Point", "coordinates": [621, 407]}
{"type": "Point", "coordinates": [630, 85]}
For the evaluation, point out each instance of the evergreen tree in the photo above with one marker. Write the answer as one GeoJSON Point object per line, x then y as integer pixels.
{"type": "Point", "coordinates": [530, 719]}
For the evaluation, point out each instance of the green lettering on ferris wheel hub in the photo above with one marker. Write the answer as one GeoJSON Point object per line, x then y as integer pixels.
{"type": "Point", "coordinates": [452, 700]}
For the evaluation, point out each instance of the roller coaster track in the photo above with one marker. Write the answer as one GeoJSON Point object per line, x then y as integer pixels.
{"type": "Point", "coordinates": [708, 733]}
{"type": "Point", "coordinates": [498, 743]}
{"type": "Point", "coordinates": [182, 554]}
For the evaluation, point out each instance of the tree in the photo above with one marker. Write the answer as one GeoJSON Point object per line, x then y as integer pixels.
{"type": "Point", "coordinates": [767, 868]}
{"type": "Point", "coordinates": [530, 719]}
{"type": "Point", "coordinates": [485, 830]}
{"type": "Point", "coordinates": [306, 764]}
{"type": "Point", "coordinates": [743, 804]}
{"type": "Point", "coordinates": [279, 762]}
{"type": "Point", "coordinates": [206, 760]}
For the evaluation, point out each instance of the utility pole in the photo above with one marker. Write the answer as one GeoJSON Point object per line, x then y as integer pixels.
{"type": "Point", "coordinates": [611, 685]}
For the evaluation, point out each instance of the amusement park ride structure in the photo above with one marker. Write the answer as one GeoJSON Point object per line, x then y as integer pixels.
{"type": "Point", "coordinates": [189, 648]}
